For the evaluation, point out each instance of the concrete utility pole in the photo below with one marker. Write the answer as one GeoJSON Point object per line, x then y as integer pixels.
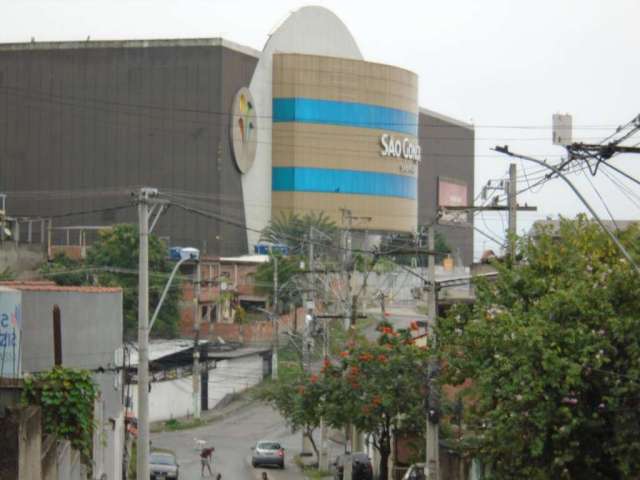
{"type": "Point", "coordinates": [432, 465]}
{"type": "Point", "coordinates": [512, 204]}
{"type": "Point", "coordinates": [197, 317]}
{"type": "Point", "coordinates": [323, 462]}
{"type": "Point", "coordinates": [556, 171]}
{"type": "Point", "coordinates": [349, 313]}
{"type": "Point", "coordinates": [144, 197]}
{"type": "Point", "coordinates": [346, 261]}
{"type": "Point", "coordinates": [274, 322]}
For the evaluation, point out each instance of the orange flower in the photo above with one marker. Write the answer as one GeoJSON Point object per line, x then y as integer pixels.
{"type": "Point", "coordinates": [344, 354]}
{"type": "Point", "coordinates": [382, 358]}
{"type": "Point", "coordinates": [365, 357]}
{"type": "Point", "coordinates": [354, 370]}
{"type": "Point", "coordinates": [313, 378]}
{"type": "Point", "coordinates": [326, 363]}
{"type": "Point", "coordinates": [300, 390]}
{"type": "Point", "coordinates": [414, 325]}
{"type": "Point", "coordinates": [387, 330]}
{"type": "Point", "coordinates": [376, 400]}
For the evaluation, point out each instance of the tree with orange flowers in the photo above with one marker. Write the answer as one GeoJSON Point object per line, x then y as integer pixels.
{"type": "Point", "coordinates": [298, 398]}
{"type": "Point", "coordinates": [377, 387]}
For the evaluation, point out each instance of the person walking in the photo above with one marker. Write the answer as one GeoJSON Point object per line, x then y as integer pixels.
{"type": "Point", "coordinates": [205, 459]}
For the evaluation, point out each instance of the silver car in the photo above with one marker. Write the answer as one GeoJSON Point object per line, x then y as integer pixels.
{"type": "Point", "coordinates": [163, 465]}
{"type": "Point", "coordinates": [268, 453]}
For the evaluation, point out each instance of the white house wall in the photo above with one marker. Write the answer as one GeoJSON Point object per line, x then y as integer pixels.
{"type": "Point", "coordinates": [173, 398]}
{"type": "Point", "coordinates": [233, 376]}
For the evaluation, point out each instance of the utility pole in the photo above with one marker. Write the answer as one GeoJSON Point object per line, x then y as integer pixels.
{"type": "Point", "coordinates": [346, 265]}
{"type": "Point", "coordinates": [196, 342]}
{"type": "Point", "coordinates": [323, 463]}
{"type": "Point", "coordinates": [512, 204]}
{"type": "Point", "coordinates": [274, 322]}
{"type": "Point", "coordinates": [432, 465]}
{"type": "Point", "coordinates": [307, 300]}
{"type": "Point", "coordinates": [346, 261]}
{"type": "Point", "coordinates": [143, 333]}
{"type": "Point", "coordinates": [556, 171]}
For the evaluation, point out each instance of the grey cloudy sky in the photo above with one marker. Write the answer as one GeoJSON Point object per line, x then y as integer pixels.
{"type": "Point", "coordinates": [504, 64]}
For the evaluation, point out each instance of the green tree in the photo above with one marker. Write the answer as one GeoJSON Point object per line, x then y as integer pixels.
{"type": "Point", "coordinates": [378, 388]}
{"type": "Point", "coordinates": [292, 229]}
{"type": "Point", "coordinates": [113, 261]}
{"type": "Point", "coordinates": [553, 351]}
{"type": "Point", "coordinates": [298, 399]}
{"type": "Point", "coordinates": [66, 271]}
{"type": "Point", "coordinates": [117, 248]}
{"type": "Point", "coordinates": [288, 267]}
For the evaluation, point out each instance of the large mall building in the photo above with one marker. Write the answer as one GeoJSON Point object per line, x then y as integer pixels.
{"type": "Point", "coordinates": [305, 125]}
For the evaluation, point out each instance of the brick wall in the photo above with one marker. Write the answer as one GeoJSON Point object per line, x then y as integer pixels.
{"type": "Point", "coordinates": [258, 332]}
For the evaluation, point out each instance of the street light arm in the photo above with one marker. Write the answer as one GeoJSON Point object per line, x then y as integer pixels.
{"type": "Point", "coordinates": [165, 291]}
{"type": "Point", "coordinates": [505, 150]}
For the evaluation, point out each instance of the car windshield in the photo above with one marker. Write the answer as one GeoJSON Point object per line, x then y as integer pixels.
{"type": "Point", "coordinates": [162, 459]}
{"type": "Point", "coordinates": [269, 446]}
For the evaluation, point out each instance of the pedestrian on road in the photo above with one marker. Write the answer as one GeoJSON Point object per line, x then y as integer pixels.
{"type": "Point", "coordinates": [264, 476]}
{"type": "Point", "coordinates": [205, 459]}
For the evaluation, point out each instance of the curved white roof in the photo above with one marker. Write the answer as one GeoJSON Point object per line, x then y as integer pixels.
{"type": "Point", "coordinates": [309, 30]}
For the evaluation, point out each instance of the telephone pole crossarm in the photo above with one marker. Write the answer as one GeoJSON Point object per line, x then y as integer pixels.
{"type": "Point", "coordinates": [625, 253]}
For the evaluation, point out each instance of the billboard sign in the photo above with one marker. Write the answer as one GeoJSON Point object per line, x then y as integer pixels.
{"type": "Point", "coordinates": [452, 193]}
{"type": "Point", "coordinates": [10, 330]}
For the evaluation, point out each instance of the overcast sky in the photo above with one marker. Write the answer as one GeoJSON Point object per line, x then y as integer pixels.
{"type": "Point", "coordinates": [501, 64]}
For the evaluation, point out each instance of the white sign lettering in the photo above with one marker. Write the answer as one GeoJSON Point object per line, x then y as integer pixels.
{"type": "Point", "coordinates": [395, 147]}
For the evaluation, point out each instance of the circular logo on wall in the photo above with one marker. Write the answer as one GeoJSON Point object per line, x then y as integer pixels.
{"type": "Point", "coordinates": [243, 130]}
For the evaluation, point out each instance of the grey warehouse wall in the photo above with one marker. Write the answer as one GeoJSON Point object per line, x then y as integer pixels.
{"type": "Point", "coordinates": [92, 123]}
{"type": "Point", "coordinates": [447, 151]}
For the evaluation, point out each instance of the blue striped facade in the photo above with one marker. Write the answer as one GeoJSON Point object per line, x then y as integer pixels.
{"type": "Point", "coordinates": [348, 114]}
{"type": "Point", "coordinates": [354, 182]}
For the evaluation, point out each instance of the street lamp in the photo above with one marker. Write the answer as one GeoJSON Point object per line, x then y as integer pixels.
{"type": "Point", "coordinates": [186, 255]}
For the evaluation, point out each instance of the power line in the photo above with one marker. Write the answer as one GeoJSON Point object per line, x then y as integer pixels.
{"type": "Point", "coordinates": [48, 97]}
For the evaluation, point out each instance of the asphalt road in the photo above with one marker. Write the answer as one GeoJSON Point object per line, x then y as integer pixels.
{"type": "Point", "coordinates": [232, 438]}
